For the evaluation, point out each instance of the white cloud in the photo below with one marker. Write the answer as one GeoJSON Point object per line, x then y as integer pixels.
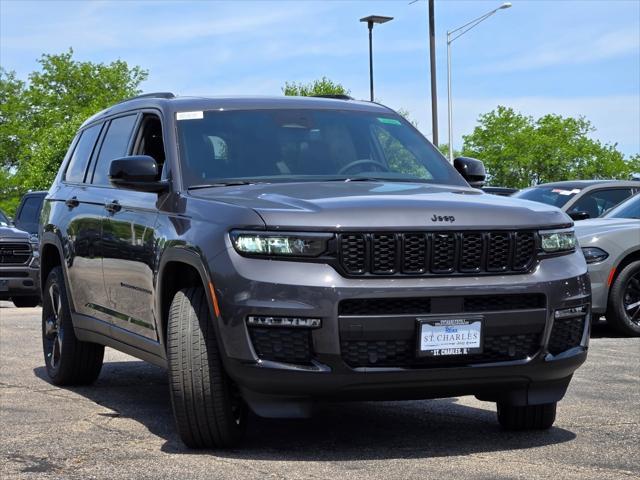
{"type": "Point", "coordinates": [577, 48]}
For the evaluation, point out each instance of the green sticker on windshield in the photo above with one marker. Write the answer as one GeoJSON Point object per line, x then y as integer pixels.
{"type": "Point", "coordinates": [389, 121]}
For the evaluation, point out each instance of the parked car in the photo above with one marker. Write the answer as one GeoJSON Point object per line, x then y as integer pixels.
{"type": "Point", "coordinates": [503, 191]}
{"type": "Point", "coordinates": [19, 265]}
{"type": "Point", "coordinates": [276, 252]}
{"type": "Point", "coordinates": [582, 199]}
{"type": "Point", "coordinates": [611, 246]}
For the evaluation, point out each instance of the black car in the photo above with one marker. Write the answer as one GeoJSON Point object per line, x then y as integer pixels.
{"type": "Point", "coordinates": [276, 252]}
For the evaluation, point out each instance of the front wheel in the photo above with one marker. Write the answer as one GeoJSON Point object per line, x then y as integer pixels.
{"type": "Point", "coordinates": [623, 312]}
{"type": "Point", "coordinates": [529, 417]}
{"type": "Point", "coordinates": [207, 406]}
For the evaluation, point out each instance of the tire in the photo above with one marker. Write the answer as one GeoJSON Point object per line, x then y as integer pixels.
{"type": "Point", "coordinates": [26, 302]}
{"type": "Point", "coordinates": [624, 292]}
{"type": "Point", "coordinates": [68, 360]}
{"type": "Point", "coordinates": [530, 417]}
{"type": "Point", "coordinates": [207, 406]}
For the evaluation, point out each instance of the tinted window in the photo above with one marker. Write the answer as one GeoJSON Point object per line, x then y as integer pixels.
{"type": "Point", "coordinates": [307, 145]}
{"type": "Point", "coordinates": [29, 214]}
{"type": "Point", "coordinates": [556, 196]}
{"type": "Point", "coordinates": [628, 209]}
{"type": "Point", "coordinates": [4, 221]}
{"type": "Point", "coordinates": [150, 140]}
{"type": "Point", "coordinates": [598, 202]}
{"type": "Point", "coordinates": [80, 157]}
{"type": "Point", "coordinates": [114, 146]}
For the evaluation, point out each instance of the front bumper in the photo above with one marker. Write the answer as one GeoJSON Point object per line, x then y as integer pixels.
{"type": "Point", "coordinates": [292, 289]}
{"type": "Point", "coordinates": [19, 281]}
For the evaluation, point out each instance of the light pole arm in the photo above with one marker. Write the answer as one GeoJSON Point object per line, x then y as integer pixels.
{"type": "Point", "coordinates": [468, 26]}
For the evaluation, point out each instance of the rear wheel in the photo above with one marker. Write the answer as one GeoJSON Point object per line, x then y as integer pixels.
{"type": "Point", "coordinates": [529, 417]}
{"type": "Point", "coordinates": [207, 406]}
{"type": "Point", "coordinates": [26, 302]}
{"type": "Point", "coordinates": [623, 312]}
{"type": "Point", "coordinates": [68, 360]}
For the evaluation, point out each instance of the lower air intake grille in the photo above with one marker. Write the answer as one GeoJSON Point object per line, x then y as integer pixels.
{"type": "Point", "coordinates": [288, 345]}
{"type": "Point", "coordinates": [402, 353]}
{"type": "Point", "coordinates": [565, 334]}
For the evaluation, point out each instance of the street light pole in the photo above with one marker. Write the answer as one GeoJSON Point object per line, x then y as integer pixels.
{"type": "Point", "coordinates": [432, 58]}
{"type": "Point", "coordinates": [370, 25]}
{"type": "Point", "coordinates": [370, 20]}
{"type": "Point", "coordinates": [451, 36]}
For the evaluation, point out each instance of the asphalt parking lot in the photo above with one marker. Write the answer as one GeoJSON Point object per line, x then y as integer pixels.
{"type": "Point", "coordinates": [122, 427]}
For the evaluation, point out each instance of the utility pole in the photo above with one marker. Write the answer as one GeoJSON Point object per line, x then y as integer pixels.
{"type": "Point", "coordinates": [432, 57]}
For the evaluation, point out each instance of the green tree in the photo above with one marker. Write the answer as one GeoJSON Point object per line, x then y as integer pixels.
{"type": "Point", "coordinates": [520, 151]}
{"type": "Point", "coordinates": [39, 118]}
{"type": "Point", "coordinates": [322, 86]}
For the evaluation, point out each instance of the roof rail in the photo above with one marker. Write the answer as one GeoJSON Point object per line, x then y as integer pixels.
{"type": "Point", "coordinates": [150, 95]}
{"type": "Point", "coordinates": [337, 96]}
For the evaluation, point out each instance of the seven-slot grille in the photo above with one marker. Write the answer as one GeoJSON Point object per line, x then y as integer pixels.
{"type": "Point", "coordinates": [436, 253]}
{"type": "Point", "coordinates": [14, 253]}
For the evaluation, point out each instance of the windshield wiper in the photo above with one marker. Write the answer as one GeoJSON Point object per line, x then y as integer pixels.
{"type": "Point", "coordinates": [231, 183]}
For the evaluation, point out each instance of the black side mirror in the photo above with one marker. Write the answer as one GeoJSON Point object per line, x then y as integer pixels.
{"type": "Point", "coordinates": [138, 172]}
{"type": "Point", "coordinates": [578, 215]}
{"type": "Point", "coordinates": [472, 170]}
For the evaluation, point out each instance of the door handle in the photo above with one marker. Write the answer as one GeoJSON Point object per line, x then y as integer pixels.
{"type": "Point", "coordinates": [113, 207]}
{"type": "Point", "coordinates": [72, 202]}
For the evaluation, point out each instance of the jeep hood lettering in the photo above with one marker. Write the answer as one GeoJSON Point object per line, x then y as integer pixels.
{"type": "Point", "coordinates": [401, 206]}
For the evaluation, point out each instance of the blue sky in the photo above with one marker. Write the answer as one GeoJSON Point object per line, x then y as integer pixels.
{"type": "Point", "coordinates": [541, 56]}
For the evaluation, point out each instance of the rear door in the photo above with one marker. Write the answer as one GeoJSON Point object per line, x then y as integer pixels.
{"type": "Point", "coordinates": [83, 249]}
{"type": "Point", "coordinates": [128, 235]}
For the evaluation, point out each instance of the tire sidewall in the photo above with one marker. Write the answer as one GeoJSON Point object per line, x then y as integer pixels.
{"type": "Point", "coordinates": [621, 320]}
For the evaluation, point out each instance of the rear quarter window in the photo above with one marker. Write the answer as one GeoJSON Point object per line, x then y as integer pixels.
{"type": "Point", "coordinates": [81, 154]}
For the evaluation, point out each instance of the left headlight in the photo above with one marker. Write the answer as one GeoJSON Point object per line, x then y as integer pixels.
{"type": "Point", "coordinates": [557, 241]}
{"type": "Point", "coordinates": [33, 238]}
{"type": "Point", "coordinates": [280, 244]}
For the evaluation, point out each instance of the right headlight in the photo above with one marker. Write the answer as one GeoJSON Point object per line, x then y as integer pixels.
{"type": "Point", "coordinates": [275, 244]}
{"type": "Point", "coordinates": [594, 254]}
{"type": "Point", "coordinates": [558, 241]}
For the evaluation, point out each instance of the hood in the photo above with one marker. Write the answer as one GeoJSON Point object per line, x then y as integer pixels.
{"type": "Point", "coordinates": [403, 206]}
{"type": "Point", "coordinates": [586, 229]}
{"type": "Point", "coordinates": [13, 233]}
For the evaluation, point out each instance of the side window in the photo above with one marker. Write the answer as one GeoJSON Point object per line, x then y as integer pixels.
{"type": "Point", "coordinates": [113, 146]}
{"type": "Point", "coordinates": [81, 154]}
{"type": "Point", "coordinates": [149, 140]}
{"type": "Point", "coordinates": [598, 202]}
{"type": "Point", "coordinates": [29, 214]}
{"type": "Point", "coordinates": [398, 157]}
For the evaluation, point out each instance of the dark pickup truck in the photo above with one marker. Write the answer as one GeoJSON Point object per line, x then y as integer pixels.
{"type": "Point", "coordinates": [19, 255]}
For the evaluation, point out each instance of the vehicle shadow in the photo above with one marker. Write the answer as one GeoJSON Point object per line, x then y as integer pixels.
{"type": "Point", "coordinates": [601, 329]}
{"type": "Point", "coordinates": [337, 431]}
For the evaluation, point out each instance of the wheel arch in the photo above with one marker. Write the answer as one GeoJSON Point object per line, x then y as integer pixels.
{"type": "Point", "coordinates": [181, 268]}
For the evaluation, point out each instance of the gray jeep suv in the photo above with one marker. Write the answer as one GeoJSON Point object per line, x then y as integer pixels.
{"type": "Point", "coordinates": [276, 252]}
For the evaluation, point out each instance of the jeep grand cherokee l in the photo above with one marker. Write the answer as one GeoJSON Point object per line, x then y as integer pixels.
{"type": "Point", "coordinates": [276, 252]}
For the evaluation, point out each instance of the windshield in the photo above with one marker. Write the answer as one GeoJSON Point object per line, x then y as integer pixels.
{"type": "Point", "coordinates": [222, 147]}
{"type": "Point", "coordinates": [555, 196]}
{"type": "Point", "coordinates": [628, 209]}
{"type": "Point", "coordinates": [4, 221]}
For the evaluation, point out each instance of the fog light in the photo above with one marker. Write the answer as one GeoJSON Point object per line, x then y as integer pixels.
{"type": "Point", "coordinates": [291, 322]}
{"type": "Point", "coordinates": [578, 311]}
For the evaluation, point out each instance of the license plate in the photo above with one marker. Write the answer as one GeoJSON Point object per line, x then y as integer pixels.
{"type": "Point", "coordinates": [449, 336]}
{"type": "Point", "coordinates": [4, 285]}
